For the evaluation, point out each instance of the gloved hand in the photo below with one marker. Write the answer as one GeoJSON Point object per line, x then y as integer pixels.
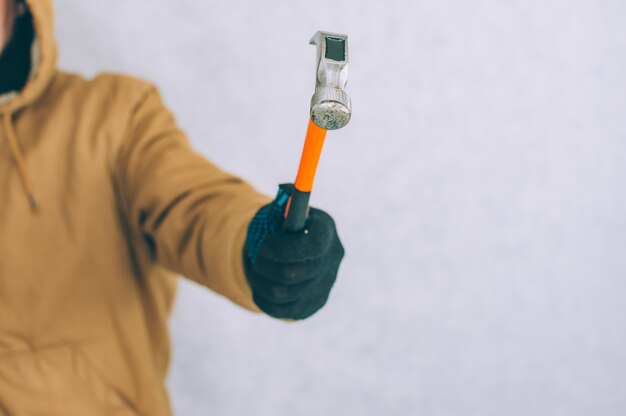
{"type": "Point", "coordinates": [291, 273]}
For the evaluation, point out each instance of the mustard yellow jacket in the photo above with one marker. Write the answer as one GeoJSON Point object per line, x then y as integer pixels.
{"type": "Point", "coordinates": [102, 204]}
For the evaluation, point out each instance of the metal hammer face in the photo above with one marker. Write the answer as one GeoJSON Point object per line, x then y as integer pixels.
{"type": "Point", "coordinates": [331, 107]}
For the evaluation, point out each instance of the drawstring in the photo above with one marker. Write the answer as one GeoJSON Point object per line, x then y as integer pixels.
{"type": "Point", "coordinates": [19, 160]}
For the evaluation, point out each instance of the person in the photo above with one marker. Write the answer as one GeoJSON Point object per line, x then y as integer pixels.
{"type": "Point", "coordinates": [103, 204]}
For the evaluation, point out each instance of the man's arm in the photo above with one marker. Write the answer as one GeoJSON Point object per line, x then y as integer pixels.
{"type": "Point", "coordinates": [192, 215]}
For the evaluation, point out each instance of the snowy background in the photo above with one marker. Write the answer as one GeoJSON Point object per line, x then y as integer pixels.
{"type": "Point", "coordinates": [479, 190]}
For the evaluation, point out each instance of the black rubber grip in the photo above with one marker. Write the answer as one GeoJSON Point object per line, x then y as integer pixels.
{"type": "Point", "coordinates": [298, 209]}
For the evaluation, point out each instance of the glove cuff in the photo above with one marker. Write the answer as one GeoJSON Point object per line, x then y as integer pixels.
{"type": "Point", "coordinates": [268, 220]}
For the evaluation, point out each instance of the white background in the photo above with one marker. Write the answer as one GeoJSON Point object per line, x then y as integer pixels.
{"type": "Point", "coordinates": [479, 191]}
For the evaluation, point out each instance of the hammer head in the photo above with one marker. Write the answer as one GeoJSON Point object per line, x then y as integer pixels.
{"type": "Point", "coordinates": [331, 107]}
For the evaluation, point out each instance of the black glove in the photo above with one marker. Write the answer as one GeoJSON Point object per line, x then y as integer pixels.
{"type": "Point", "coordinates": [291, 273]}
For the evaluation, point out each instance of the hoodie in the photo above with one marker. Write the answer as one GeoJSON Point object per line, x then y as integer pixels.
{"type": "Point", "coordinates": [103, 205]}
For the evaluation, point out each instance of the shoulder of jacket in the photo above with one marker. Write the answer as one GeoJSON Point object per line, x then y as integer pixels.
{"type": "Point", "coordinates": [125, 87]}
{"type": "Point", "coordinates": [115, 87]}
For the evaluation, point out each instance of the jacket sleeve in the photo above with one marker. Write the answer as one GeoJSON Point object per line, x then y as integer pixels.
{"type": "Point", "coordinates": [192, 215]}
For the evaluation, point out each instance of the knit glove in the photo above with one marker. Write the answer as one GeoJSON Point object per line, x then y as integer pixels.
{"type": "Point", "coordinates": [291, 273]}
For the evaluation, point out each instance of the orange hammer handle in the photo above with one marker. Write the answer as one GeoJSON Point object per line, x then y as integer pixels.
{"type": "Point", "coordinates": [298, 205]}
{"type": "Point", "coordinates": [310, 157]}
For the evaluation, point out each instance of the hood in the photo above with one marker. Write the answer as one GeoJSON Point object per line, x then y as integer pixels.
{"type": "Point", "coordinates": [46, 57]}
{"type": "Point", "coordinates": [41, 74]}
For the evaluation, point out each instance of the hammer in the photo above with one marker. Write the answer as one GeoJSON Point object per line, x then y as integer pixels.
{"type": "Point", "coordinates": [331, 109]}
